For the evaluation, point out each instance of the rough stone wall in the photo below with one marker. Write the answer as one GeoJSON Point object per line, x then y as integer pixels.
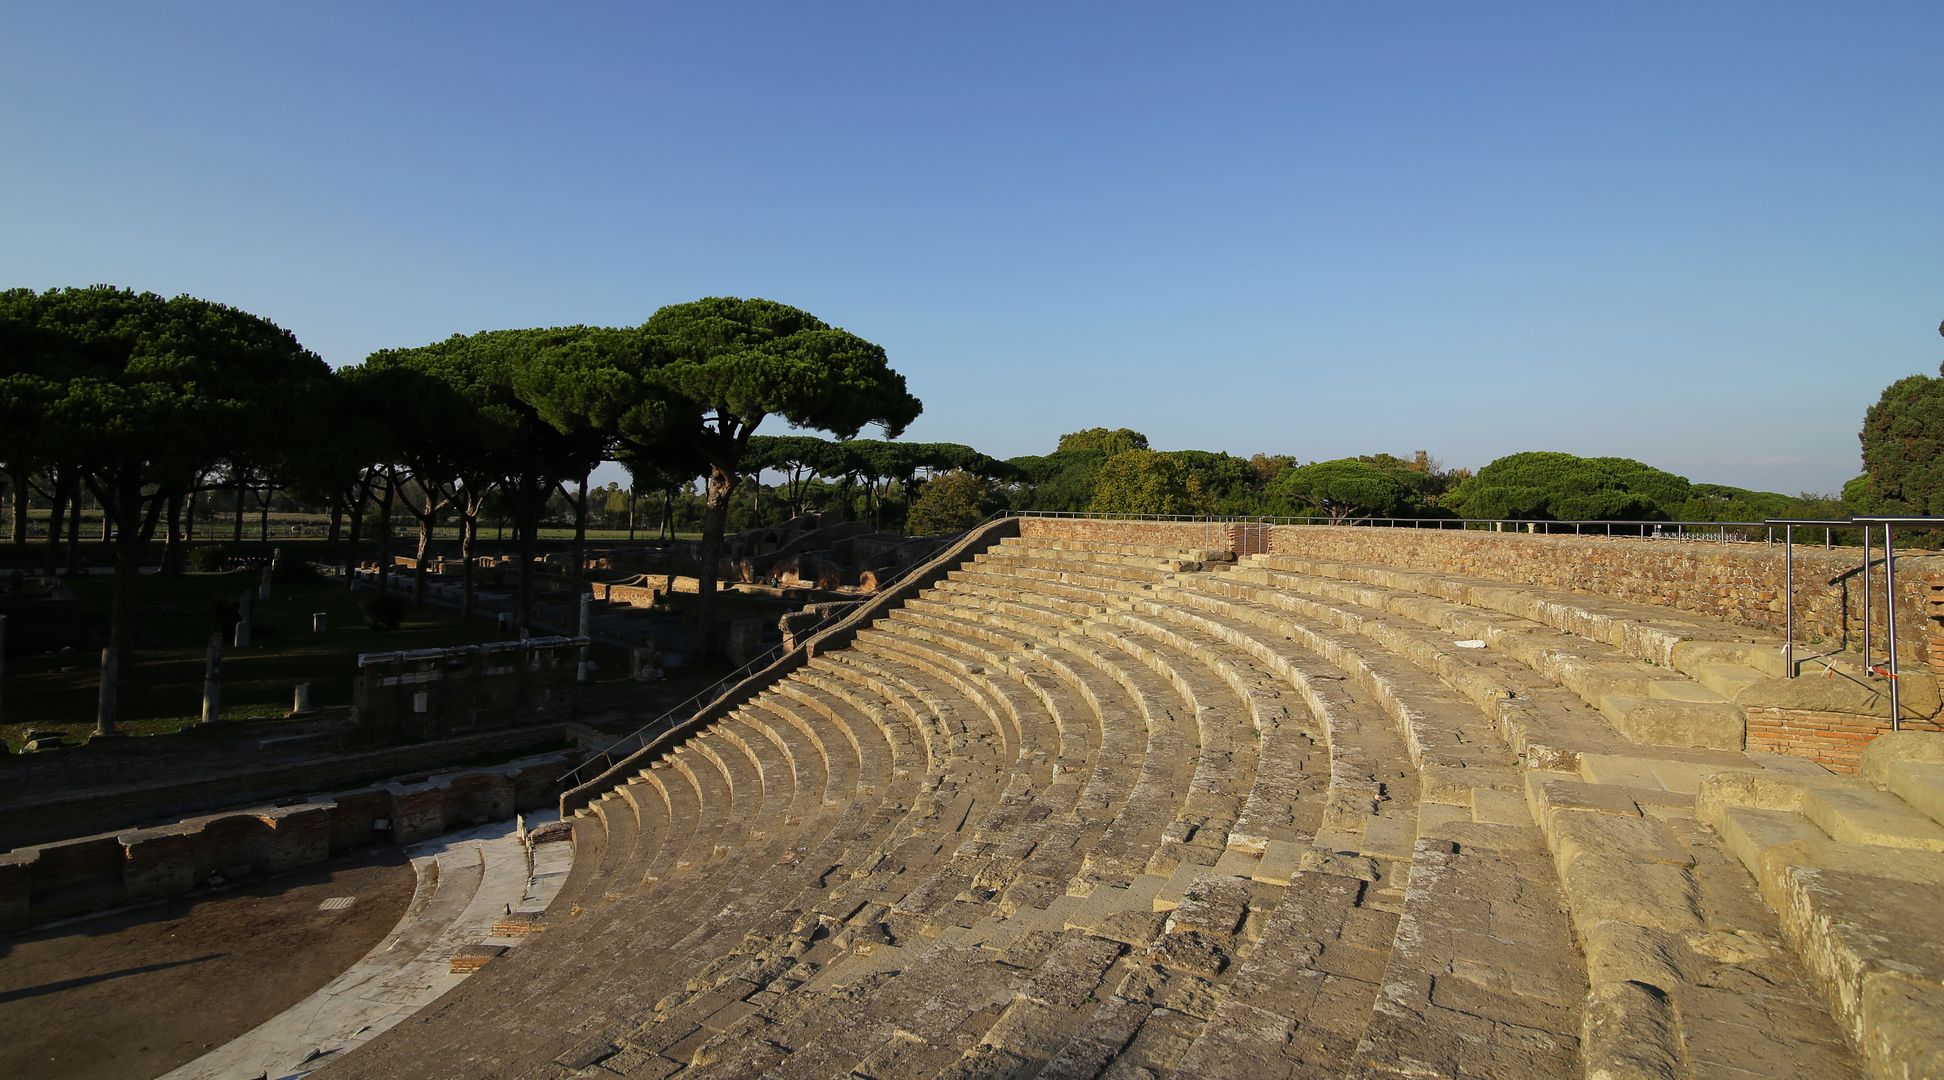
{"type": "Point", "coordinates": [1213, 536]}
{"type": "Point", "coordinates": [1738, 583]}
{"type": "Point", "coordinates": [94, 872]}
{"type": "Point", "coordinates": [641, 596]}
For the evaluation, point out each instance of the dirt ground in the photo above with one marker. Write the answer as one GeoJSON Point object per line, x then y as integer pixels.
{"type": "Point", "coordinates": [138, 993]}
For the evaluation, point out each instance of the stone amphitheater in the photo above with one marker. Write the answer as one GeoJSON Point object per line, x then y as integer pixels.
{"type": "Point", "coordinates": [1129, 800]}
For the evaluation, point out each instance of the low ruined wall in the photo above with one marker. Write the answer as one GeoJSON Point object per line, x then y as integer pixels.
{"type": "Point", "coordinates": [42, 815]}
{"type": "Point", "coordinates": [94, 872]}
{"type": "Point", "coordinates": [436, 693]}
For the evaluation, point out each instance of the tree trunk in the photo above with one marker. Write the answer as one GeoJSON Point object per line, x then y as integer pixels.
{"type": "Point", "coordinates": [468, 542]}
{"type": "Point", "coordinates": [427, 522]}
{"type": "Point", "coordinates": [263, 513]}
{"type": "Point", "coordinates": [172, 544]}
{"type": "Point", "coordinates": [123, 498]}
{"type": "Point", "coordinates": [385, 530]}
{"type": "Point", "coordinates": [634, 496]}
{"type": "Point", "coordinates": [337, 522]}
{"type": "Point", "coordinates": [580, 533]}
{"type": "Point", "coordinates": [74, 529]}
{"type": "Point", "coordinates": [56, 521]}
{"type": "Point", "coordinates": [715, 516]}
{"type": "Point", "coordinates": [358, 501]}
{"type": "Point", "coordinates": [189, 512]}
{"type": "Point", "coordinates": [20, 498]}
{"type": "Point", "coordinates": [242, 489]}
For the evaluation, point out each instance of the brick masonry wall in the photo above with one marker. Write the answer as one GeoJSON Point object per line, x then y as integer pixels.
{"type": "Point", "coordinates": [1832, 740]}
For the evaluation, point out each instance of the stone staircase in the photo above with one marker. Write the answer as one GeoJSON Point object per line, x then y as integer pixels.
{"type": "Point", "coordinates": [1126, 810]}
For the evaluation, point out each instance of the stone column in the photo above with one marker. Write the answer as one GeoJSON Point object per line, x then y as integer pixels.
{"type": "Point", "coordinates": [243, 620]}
{"type": "Point", "coordinates": [586, 624]}
{"type": "Point", "coordinates": [105, 705]}
{"type": "Point", "coordinates": [300, 700]}
{"type": "Point", "coordinates": [263, 587]}
{"type": "Point", "coordinates": [320, 622]}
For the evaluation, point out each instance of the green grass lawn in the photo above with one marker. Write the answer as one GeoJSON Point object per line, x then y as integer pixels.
{"type": "Point", "coordinates": [162, 691]}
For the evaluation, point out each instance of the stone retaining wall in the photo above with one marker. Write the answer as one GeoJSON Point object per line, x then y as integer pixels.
{"type": "Point", "coordinates": [141, 796]}
{"type": "Point", "coordinates": [1212, 536]}
{"type": "Point", "coordinates": [1735, 582]}
{"type": "Point", "coordinates": [94, 872]}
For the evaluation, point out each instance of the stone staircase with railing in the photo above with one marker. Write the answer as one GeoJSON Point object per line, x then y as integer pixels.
{"type": "Point", "coordinates": [1116, 809]}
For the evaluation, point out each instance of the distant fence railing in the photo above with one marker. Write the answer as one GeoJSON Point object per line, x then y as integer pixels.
{"type": "Point", "coordinates": [1713, 531]}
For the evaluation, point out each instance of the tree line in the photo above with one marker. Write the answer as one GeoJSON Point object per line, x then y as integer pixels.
{"type": "Point", "coordinates": [143, 401]}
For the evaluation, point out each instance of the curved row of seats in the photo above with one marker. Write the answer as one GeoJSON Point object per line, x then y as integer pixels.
{"type": "Point", "coordinates": [1091, 809]}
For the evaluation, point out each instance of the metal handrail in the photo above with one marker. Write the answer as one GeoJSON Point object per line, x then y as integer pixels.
{"type": "Point", "coordinates": [1890, 524]}
{"type": "Point", "coordinates": [666, 722]}
{"type": "Point", "coordinates": [1581, 526]}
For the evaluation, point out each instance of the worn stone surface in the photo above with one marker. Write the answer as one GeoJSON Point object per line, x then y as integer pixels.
{"type": "Point", "coordinates": [1089, 807]}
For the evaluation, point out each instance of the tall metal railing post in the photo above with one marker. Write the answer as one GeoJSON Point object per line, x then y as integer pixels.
{"type": "Point", "coordinates": [1867, 628]}
{"type": "Point", "coordinates": [1788, 602]}
{"type": "Point", "coordinates": [1890, 614]}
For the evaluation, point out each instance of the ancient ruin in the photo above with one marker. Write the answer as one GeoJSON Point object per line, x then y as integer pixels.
{"type": "Point", "coordinates": [1089, 798]}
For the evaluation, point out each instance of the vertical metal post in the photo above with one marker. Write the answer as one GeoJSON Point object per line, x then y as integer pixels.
{"type": "Point", "coordinates": [1866, 602]}
{"type": "Point", "coordinates": [1890, 616]}
{"type": "Point", "coordinates": [1788, 602]}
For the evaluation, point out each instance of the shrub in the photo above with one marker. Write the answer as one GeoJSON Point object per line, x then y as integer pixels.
{"type": "Point", "coordinates": [383, 611]}
{"type": "Point", "coordinates": [207, 559]}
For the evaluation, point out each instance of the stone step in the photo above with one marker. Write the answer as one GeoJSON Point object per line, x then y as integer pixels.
{"type": "Point", "coordinates": [1859, 915]}
{"type": "Point", "coordinates": [1920, 784]}
{"type": "Point", "coordinates": [1725, 678]}
{"type": "Point", "coordinates": [1639, 699]}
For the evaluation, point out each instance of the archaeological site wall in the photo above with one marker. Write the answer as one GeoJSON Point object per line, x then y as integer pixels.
{"type": "Point", "coordinates": [1739, 583]}
{"type": "Point", "coordinates": [131, 866]}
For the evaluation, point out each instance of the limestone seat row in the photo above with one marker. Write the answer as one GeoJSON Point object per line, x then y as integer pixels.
{"type": "Point", "coordinates": [1016, 826]}
{"type": "Point", "coordinates": [1854, 868]}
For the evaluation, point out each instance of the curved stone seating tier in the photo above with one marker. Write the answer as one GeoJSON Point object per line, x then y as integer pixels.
{"type": "Point", "coordinates": [1087, 809]}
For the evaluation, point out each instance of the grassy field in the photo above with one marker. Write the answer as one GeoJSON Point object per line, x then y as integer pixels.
{"type": "Point", "coordinates": [163, 690]}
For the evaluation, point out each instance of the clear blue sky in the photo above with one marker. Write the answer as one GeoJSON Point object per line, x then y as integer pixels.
{"type": "Point", "coordinates": [1702, 235]}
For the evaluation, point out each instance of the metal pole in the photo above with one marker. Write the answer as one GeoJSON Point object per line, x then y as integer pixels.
{"type": "Point", "coordinates": [1788, 602]}
{"type": "Point", "coordinates": [1890, 615]}
{"type": "Point", "coordinates": [1866, 601]}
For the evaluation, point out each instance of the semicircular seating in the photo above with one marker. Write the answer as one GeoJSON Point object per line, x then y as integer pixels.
{"type": "Point", "coordinates": [1098, 809]}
